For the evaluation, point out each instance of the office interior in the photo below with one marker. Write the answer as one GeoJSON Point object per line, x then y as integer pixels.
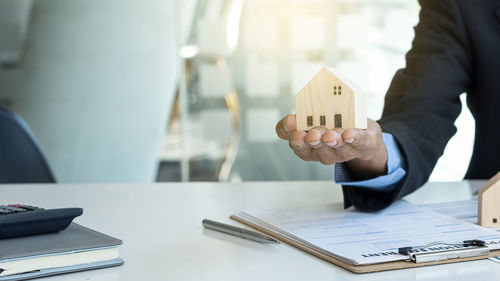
{"type": "Point", "coordinates": [170, 91]}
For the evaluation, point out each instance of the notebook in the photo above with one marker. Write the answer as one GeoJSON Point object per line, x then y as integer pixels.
{"type": "Point", "coordinates": [74, 249]}
{"type": "Point", "coordinates": [360, 239]}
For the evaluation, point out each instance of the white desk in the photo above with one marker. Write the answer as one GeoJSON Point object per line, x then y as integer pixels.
{"type": "Point", "coordinates": [160, 225]}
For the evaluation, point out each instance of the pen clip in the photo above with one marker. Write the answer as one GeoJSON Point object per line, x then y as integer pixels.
{"type": "Point", "coordinates": [450, 254]}
{"type": "Point", "coordinates": [465, 249]}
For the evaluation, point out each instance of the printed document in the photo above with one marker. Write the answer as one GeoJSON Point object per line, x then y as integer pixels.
{"type": "Point", "coordinates": [367, 238]}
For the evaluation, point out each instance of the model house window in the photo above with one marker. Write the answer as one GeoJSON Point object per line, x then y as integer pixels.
{"type": "Point", "coordinates": [309, 121]}
{"type": "Point", "coordinates": [338, 120]}
{"type": "Point", "coordinates": [322, 120]}
{"type": "Point", "coordinates": [337, 89]}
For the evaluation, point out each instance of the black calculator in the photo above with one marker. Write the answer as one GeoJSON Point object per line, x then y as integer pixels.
{"type": "Point", "coordinates": [22, 220]}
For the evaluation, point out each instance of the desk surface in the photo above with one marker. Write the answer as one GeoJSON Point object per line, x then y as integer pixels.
{"type": "Point", "coordinates": [160, 225]}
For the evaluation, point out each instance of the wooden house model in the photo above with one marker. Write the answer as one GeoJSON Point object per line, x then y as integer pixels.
{"type": "Point", "coordinates": [488, 199]}
{"type": "Point", "coordinates": [330, 100]}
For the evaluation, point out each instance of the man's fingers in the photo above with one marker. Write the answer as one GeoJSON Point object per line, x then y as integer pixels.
{"type": "Point", "coordinates": [332, 139]}
{"type": "Point", "coordinates": [300, 147]}
{"type": "Point", "coordinates": [363, 138]}
{"type": "Point", "coordinates": [353, 136]}
{"type": "Point", "coordinates": [297, 140]}
{"type": "Point", "coordinates": [280, 130]}
{"type": "Point", "coordinates": [286, 126]}
{"type": "Point", "coordinates": [313, 137]}
{"type": "Point", "coordinates": [329, 146]}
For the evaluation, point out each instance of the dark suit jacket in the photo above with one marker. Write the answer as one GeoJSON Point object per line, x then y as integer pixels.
{"type": "Point", "coordinates": [456, 49]}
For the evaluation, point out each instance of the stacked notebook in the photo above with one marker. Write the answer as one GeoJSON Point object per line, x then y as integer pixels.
{"type": "Point", "coordinates": [77, 248]}
{"type": "Point", "coordinates": [367, 242]}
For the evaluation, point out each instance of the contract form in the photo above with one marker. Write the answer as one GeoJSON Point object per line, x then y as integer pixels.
{"type": "Point", "coordinates": [363, 238]}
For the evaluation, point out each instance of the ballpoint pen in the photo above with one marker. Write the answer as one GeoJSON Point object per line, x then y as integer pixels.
{"type": "Point", "coordinates": [238, 231]}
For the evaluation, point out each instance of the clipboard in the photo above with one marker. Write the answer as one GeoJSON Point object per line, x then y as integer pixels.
{"type": "Point", "coordinates": [377, 267]}
{"type": "Point", "coordinates": [372, 242]}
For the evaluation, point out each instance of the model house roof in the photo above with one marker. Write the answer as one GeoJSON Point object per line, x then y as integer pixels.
{"type": "Point", "coordinates": [495, 179]}
{"type": "Point", "coordinates": [342, 77]}
{"type": "Point", "coordinates": [336, 75]}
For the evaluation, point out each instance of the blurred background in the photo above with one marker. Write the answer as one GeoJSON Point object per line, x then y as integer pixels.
{"type": "Point", "coordinates": [157, 90]}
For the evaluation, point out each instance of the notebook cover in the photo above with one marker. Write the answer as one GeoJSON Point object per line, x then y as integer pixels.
{"type": "Point", "coordinates": [74, 238]}
{"type": "Point", "coordinates": [61, 270]}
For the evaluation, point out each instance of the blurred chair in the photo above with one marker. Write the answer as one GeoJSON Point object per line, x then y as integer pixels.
{"type": "Point", "coordinates": [21, 160]}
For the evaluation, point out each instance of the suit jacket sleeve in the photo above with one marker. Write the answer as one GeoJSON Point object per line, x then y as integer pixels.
{"type": "Point", "coordinates": [423, 100]}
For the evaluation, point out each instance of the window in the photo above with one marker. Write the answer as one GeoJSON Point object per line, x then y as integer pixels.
{"type": "Point", "coordinates": [338, 120]}
{"type": "Point", "coordinates": [309, 121]}
{"type": "Point", "coordinates": [322, 120]}
{"type": "Point", "coordinates": [335, 88]}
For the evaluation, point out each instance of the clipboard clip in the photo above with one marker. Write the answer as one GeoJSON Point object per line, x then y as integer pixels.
{"type": "Point", "coordinates": [466, 249]}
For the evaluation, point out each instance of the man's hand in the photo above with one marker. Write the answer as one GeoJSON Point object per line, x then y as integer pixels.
{"type": "Point", "coordinates": [363, 150]}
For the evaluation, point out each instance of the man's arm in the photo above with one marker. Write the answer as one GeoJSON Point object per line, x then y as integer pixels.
{"type": "Point", "coordinates": [423, 102]}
